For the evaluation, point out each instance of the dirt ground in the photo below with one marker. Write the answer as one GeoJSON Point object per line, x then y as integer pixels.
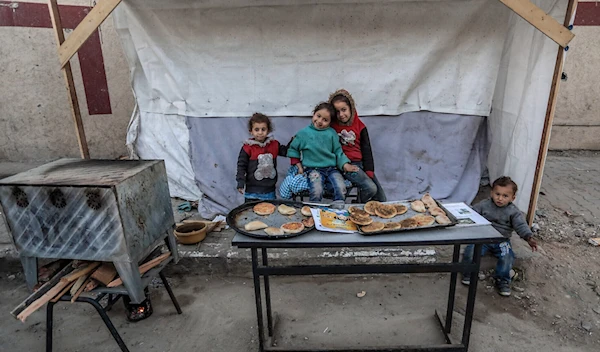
{"type": "Point", "coordinates": [219, 312]}
{"type": "Point", "coordinates": [555, 305]}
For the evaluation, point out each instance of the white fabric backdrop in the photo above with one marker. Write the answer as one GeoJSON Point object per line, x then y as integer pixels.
{"type": "Point", "coordinates": [281, 60]}
{"type": "Point", "coordinates": [231, 58]}
{"type": "Point", "coordinates": [521, 99]}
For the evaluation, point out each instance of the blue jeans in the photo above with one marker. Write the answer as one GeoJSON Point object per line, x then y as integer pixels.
{"type": "Point", "coordinates": [369, 188]}
{"type": "Point", "coordinates": [319, 177]}
{"type": "Point", "coordinates": [503, 251]}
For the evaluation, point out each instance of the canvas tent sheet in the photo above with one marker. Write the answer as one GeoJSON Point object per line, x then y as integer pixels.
{"type": "Point", "coordinates": [200, 67]}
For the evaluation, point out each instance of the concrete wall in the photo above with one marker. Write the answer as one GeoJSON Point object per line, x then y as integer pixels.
{"type": "Point", "coordinates": [36, 122]}
{"type": "Point", "coordinates": [35, 117]}
{"type": "Point", "coordinates": [577, 117]}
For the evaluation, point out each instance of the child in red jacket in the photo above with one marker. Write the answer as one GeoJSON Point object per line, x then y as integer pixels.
{"type": "Point", "coordinates": [257, 162]}
{"type": "Point", "coordinates": [354, 138]}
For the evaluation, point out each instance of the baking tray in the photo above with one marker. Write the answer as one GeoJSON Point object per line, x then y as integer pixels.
{"type": "Point", "coordinates": [410, 213]}
{"type": "Point", "coordinates": [240, 216]}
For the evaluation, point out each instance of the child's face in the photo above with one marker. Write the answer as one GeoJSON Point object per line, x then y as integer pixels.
{"type": "Point", "coordinates": [321, 119]}
{"type": "Point", "coordinates": [502, 195]}
{"type": "Point", "coordinates": [259, 131]}
{"type": "Point", "coordinates": [343, 111]}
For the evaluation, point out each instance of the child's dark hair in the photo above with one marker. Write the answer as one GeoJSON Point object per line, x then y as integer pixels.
{"type": "Point", "coordinates": [257, 117]}
{"type": "Point", "coordinates": [326, 106]}
{"type": "Point", "coordinates": [339, 98]}
{"type": "Point", "coordinates": [505, 181]}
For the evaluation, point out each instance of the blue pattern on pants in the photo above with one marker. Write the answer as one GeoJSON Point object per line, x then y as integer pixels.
{"type": "Point", "coordinates": [503, 251]}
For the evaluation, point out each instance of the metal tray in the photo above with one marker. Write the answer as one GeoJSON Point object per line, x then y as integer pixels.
{"type": "Point", "coordinates": [240, 216]}
{"type": "Point", "coordinates": [410, 213]}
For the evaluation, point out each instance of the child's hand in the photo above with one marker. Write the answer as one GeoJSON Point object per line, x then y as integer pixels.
{"type": "Point", "coordinates": [532, 243]}
{"type": "Point", "coordinates": [241, 190]}
{"type": "Point", "coordinates": [300, 169]}
{"type": "Point", "coordinates": [350, 168]}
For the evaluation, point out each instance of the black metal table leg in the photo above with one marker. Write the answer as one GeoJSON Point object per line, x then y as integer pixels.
{"type": "Point", "coordinates": [258, 298]}
{"type": "Point", "coordinates": [168, 287]}
{"type": "Point", "coordinates": [471, 297]}
{"type": "Point", "coordinates": [452, 291]}
{"type": "Point", "coordinates": [265, 262]}
{"type": "Point", "coordinates": [49, 323]}
{"type": "Point", "coordinates": [107, 321]}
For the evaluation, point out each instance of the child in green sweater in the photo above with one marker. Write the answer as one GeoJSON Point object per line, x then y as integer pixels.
{"type": "Point", "coordinates": [316, 149]}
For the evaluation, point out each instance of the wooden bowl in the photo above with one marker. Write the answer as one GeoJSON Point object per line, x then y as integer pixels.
{"type": "Point", "coordinates": [191, 233]}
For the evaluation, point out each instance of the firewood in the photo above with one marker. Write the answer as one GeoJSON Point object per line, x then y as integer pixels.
{"type": "Point", "coordinates": [42, 290]}
{"type": "Point", "coordinates": [92, 284]}
{"type": "Point", "coordinates": [143, 268]}
{"type": "Point", "coordinates": [77, 284]}
{"type": "Point", "coordinates": [80, 272]}
{"type": "Point", "coordinates": [42, 300]}
{"type": "Point", "coordinates": [105, 273]}
{"type": "Point", "coordinates": [62, 293]}
{"type": "Point", "coordinates": [74, 298]}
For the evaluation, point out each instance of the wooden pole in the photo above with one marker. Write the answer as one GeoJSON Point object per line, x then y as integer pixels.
{"type": "Point", "coordinates": [541, 20]}
{"type": "Point", "coordinates": [68, 75]}
{"type": "Point", "coordinates": [85, 29]}
{"type": "Point", "coordinates": [543, 151]}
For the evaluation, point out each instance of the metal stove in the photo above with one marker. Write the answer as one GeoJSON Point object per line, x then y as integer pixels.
{"type": "Point", "coordinates": [101, 210]}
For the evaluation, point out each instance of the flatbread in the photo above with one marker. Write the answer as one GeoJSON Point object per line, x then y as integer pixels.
{"type": "Point", "coordinates": [305, 211]}
{"type": "Point", "coordinates": [361, 220]}
{"type": "Point", "coordinates": [373, 227]}
{"type": "Point", "coordinates": [424, 220]}
{"type": "Point", "coordinates": [400, 209]}
{"type": "Point", "coordinates": [418, 206]}
{"type": "Point", "coordinates": [274, 231]}
{"type": "Point", "coordinates": [308, 222]}
{"type": "Point", "coordinates": [443, 220]}
{"type": "Point", "coordinates": [392, 226]}
{"type": "Point", "coordinates": [385, 211]}
{"type": "Point", "coordinates": [292, 227]}
{"type": "Point", "coordinates": [255, 225]}
{"type": "Point", "coordinates": [264, 208]}
{"type": "Point", "coordinates": [409, 223]}
{"type": "Point", "coordinates": [286, 209]}
{"type": "Point", "coordinates": [357, 211]}
{"type": "Point", "coordinates": [435, 211]}
{"type": "Point", "coordinates": [427, 199]}
{"type": "Point", "coordinates": [370, 206]}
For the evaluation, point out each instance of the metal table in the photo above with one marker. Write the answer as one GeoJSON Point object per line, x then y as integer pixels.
{"type": "Point", "coordinates": [454, 236]}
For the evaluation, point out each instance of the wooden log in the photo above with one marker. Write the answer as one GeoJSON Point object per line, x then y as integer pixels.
{"type": "Point", "coordinates": [80, 272]}
{"type": "Point", "coordinates": [80, 290]}
{"type": "Point", "coordinates": [62, 293]}
{"type": "Point", "coordinates": [143, 268]}
{"type": "Point", "coordinates": [42, 290]}
{"type": "Point", "coordinates": [43, 300]}
{"type": "Point", "coordinates": [105, 273]}
{"type": "Point", "coordinates": [92, 284]}
{"type": "Point", "coordinates": [77, 284]}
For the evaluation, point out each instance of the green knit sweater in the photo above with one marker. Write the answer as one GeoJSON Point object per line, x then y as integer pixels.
{"type": "Point", "coordinates": [318, 148]}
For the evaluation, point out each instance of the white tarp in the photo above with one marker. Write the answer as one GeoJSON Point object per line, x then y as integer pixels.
{"type": "Point", "coordinates": [521, 99]}
{"type": "Point", "coordinates": [231, 61]}
{"type": "Point", "coordinates": [231, 58]}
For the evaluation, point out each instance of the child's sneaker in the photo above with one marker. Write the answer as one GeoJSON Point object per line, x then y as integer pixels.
{"type": "Point", "coordinates": [466, 280]}
{"type": "Point", "coordinates": [503, 288]}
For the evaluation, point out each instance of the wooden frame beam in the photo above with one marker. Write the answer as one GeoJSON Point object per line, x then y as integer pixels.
{"type": "Point", "coordinates": [541, 20]}
{"type": "Point", "coordinates": [545, 141]}
{"type": "Point", "coordinates": [68, 75]}
{"type": "Point", "coordinates": [84, 30]}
